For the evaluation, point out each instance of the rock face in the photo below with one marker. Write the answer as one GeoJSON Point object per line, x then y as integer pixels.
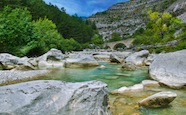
{"type": "Point", "coordinates": [54, 98]}
{"type": "Point", "coordinates": [127, 17]}
{"type": "Point", "coordinates": [9, 62]}
{"type": "Point", "coordinates": [8, 76]}
{"type": "Point", "coordinates": [169, 69]}
{"type": "Point", "coordinates": [160, 99]}
{"type": "Point", "coordinates": [178, 8]}
{"type": "Point", "coordinates": [81, 60]}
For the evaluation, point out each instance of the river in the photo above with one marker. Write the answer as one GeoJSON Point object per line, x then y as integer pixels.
{"type": "Point", "coordinates": [115, 77]}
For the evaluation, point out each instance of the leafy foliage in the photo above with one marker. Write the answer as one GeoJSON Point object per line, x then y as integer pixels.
{"type": "Point", "coordinates": [97, 40]}
{"type": "Point", "coordinates": [31, 27]}
{"type": "Point", "coordinates": [68, 26]}
{"type": "Point", "coordinates": [115, 37]}
{"type": "Point", "coordinates": [21, 36]}
{"type": "Point", "coordinates": [15, 29]}
{"type": "Point", "coordinates": [160, 30]}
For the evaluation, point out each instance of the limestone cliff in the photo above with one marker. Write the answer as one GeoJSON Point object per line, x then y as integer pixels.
{"type": "Point", "coordinates": [125, 18]}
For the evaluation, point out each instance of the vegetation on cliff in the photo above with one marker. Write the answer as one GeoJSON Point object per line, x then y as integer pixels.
{"type": "Point", "coordinates": [163, 33]}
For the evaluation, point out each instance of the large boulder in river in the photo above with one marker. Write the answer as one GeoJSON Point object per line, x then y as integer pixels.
{"type": "Point", "coordinates": [8, 62]}
{"type": "Point", "coordinates": [51, 59]}
{"type": "Point", "coordinates": [81, 60]}
{"type": "Point", "coordinates": [160, 99]}
{"type": "Point", "coordinates": [54, 98]}
{"type": "Point", "coordinates": [169, 69]}
{"type": "Point", "coordinates": [136, 59]}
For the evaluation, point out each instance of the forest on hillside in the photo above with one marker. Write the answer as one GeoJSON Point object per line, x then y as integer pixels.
{"type": "Point", "coordinates": [32, 27]}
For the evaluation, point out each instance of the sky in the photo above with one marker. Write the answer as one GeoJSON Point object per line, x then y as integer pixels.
{"type": "Point", "coordinates": [84, 7]}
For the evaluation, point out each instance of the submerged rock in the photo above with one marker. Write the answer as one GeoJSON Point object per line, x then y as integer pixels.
{"type": "Point", "coordinates": [160, 99]}
{"type": "Point", "coordinates": [102, 67]}
{"type": "Point", "coordinates": [131, 89]}
{"type": "Point", "coordinates": [169, 69]}
{"type": "Point", "coordinates": [54, 98]}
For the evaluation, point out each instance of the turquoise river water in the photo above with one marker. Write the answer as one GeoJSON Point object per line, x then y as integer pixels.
{"type": "Point", "coordinates": [116, 78]}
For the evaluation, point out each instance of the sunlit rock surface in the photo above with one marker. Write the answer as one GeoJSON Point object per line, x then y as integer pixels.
{"type": "Point", "coordinates": [136, 59]}
{"type": "Point", "coordinates": [150, 83]}
{"type": "Point", "coordinates": [81, 60]}
{"type": "Point", "coordinates": [52, 59]}
{"type": "Point", "coordinates": [54, 98]}
{"type": "Point", "coordinates": [9, 76]}
{"type": "Point", "coordinates": [160, 99]}
{"type": "Point", "coordinates": [169, 69]}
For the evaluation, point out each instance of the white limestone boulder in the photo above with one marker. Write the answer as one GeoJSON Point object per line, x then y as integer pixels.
{"type": "Point", "coordinates": [169, 69]}
{"type": "Point", "coordinates": [54, 98]}
{"type": "Point", "coordinates": [160, 99]}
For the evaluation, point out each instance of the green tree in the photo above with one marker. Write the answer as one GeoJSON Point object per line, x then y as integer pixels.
{"type": "Point", "coordinates": [115, 37]}
{"type": "Point", "coordinates": [97, 40]}
{"type": "Point", "coordinates": [70, 45]}
{"type": "Point", "coordinates": [15, 29]}
{"type": "Point", "coordinates": [160, 29]}
{"type": "Point", "coordinates": [46, 35]}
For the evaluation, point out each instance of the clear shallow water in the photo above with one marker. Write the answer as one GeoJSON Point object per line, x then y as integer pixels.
{"type": "Point", "coordinates": [112, 75]}
{"type": "Point", "coordinates": [116, 78]}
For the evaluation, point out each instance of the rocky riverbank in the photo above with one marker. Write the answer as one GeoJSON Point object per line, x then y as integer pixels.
{"type": "Point", "coordinates": [165, 68]}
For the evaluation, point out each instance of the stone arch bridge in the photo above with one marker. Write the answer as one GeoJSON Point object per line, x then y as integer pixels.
{"type": "Point", "coordinates": [112, 45]}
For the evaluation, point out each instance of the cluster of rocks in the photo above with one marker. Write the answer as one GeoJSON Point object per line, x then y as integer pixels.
{"type": "Point", "coordinates": [156, 100]}
{"type": "Point", "coordinates": [52, 59]}
{"type": "Point", "coordinates": [164, 68]}
{"type": "Point", "coordinates": [137, 87]}
{"type": "Point", "coordinates": [70, 98]}
{"type": "Point", "coordinates": [49, 97]}
{"type": "Point", "coordinates": [17, 69]}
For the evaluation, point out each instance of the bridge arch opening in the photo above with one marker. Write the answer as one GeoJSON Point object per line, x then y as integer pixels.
{"type": "Point", "coordinates": [119, 46]}
{"type": "Point", "coordinates": [107, 47]}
